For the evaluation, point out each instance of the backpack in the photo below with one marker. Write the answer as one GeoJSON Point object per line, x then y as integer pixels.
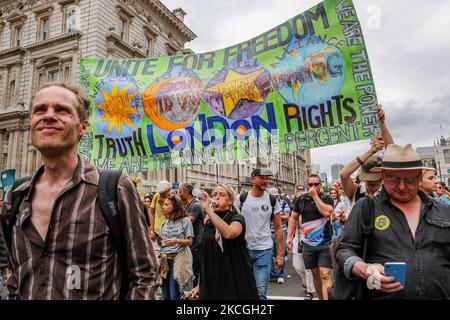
{"type": "Point", "coordinates": [287, 201]}
{"type": "Point", "coordinates": [273, 202]}
{"type": "Point", "coordinates": [107, 197]}
{"type": "Point", "coordinates": [283, 206]}
{"type": "Point", "coordinates": [343, 288]}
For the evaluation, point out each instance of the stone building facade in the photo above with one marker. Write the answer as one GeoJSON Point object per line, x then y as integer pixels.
{"type": "Point", "coordinates": [44, 40]}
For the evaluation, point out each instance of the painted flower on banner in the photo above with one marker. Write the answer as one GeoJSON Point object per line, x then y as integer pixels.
{"type": "Point", "coordinates": [118, 107]}
{"type": "Point", "coordinates": [239, 90]}
{"type": "Point", "coordinates": [173, 100]}
{"type": "Point", "coordinates": [309, 72]}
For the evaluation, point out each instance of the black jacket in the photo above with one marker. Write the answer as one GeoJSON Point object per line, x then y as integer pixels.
{"type": "Point", "coordinates": [427, 255]}
{"type": "Point", "coordinates": [3, 257]}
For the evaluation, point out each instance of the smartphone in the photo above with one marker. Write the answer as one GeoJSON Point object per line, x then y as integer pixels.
{"type": "Point", "coordinates": [396, 270]}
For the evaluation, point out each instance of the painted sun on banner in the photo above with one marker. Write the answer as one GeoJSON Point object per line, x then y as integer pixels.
{"type": "Point", "coordinates": [306, 83]}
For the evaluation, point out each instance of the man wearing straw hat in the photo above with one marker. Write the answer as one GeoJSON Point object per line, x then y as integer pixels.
{"type": "Point", "coordinates": [408, 227]}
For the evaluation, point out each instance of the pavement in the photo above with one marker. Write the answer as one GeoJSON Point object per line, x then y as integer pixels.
{"type": "Point", "coordinates": [291, 289]}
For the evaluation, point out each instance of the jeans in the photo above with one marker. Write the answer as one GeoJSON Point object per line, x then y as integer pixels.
{"type": "Point", "coordinates": [170, 288]}
{"type": "Point", "coordinates": [337, 228]}
{"type": "Point", "coordinates": [280, 272]}
{"type": "Point", "coordinates": [262, 261]}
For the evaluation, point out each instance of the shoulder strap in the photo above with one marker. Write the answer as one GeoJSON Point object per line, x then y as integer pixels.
{"type": "Point", "coordinates": [273, 203]}
{"type": "Point", "coordinates": [188, 209]}
{"type": "Point", "coordinates": [16, 201]}
{"type": "Point", "coordinates": [107, 197]}
{"type": "Point", "coordinates": [368, 207]}
{"type": "Point", "coordinates": [242, 198]}
{"type": "Point", "coordinates": [367, 222]}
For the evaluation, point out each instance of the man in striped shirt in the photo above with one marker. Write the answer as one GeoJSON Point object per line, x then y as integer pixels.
{"type": "Point", "coordinates": [61, 246]}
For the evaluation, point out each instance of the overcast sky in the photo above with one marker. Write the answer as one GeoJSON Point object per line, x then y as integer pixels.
{"type": "Point", "coordinates": [409, 55]}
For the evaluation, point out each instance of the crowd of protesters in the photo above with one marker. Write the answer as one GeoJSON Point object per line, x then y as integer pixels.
{"type": "Point", "coordinates": [216, 244]}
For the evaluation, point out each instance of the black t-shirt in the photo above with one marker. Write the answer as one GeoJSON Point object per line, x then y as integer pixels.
{"type": "Point", "coordinates": [359, 194]}
{"type": "Point", "coordinates": [226, 275]}
{"type": "Point", "coordinates": [317, 229]}
{"type": "Point", "coordinates": [195, 209]}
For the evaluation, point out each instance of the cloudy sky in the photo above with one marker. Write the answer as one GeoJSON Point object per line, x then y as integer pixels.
{"type": "Point", "coordinates": [409, 50]}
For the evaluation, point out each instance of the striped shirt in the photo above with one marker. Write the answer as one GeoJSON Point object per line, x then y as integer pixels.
{"type": "Point", "coordinates": [78, 259]}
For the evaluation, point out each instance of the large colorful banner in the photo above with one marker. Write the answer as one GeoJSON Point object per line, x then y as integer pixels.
{"type": "Point", "coordinates": [304, 84]}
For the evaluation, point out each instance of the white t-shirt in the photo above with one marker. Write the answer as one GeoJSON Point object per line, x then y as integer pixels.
{"type": "Point", "coordinates": [257, 213]}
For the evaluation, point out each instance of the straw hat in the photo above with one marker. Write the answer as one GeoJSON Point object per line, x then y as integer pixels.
{"type": "Point", "coordinates": [397, 157]}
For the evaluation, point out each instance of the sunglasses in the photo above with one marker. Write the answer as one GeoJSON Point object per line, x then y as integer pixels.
{"type": "Point", "coordinates": [315, 184]}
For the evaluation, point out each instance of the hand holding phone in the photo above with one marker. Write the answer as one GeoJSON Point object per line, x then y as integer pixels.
{"type": "Point", "coordinates": [382, 277]}
{"type": "Point", "coordinates": [396, 270]}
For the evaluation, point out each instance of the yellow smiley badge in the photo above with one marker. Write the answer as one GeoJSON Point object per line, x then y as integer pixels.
{"type": "Point", "coordinates": [382, 223]}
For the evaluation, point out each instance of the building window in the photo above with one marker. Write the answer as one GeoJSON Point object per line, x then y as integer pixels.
{"type": "Point", "coordinates": [43, 28]}
{"type": "Point", "coordinates": [66, 73]}
{"type": "Point", "coordinates": [51, 69]}
{"type": "Point", "coordinates": [11, 92]}
{"type": "Point", "coordinates": [446, 155]}
{"type": "Point", "coordinates": [149, 46]}
{"type": "Point", "coordinates": [53, 76]}
{"type": "Point", "coordinates": [70, 18]}
{"type": "Point", "coordinates": [16, 39]}
{"type": "Point", "coordinates": [122, 28]}
{"type": "Point", "coordinates": [170, 51]}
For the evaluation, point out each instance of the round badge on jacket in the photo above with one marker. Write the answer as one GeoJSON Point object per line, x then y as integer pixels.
{"type": "Point", "coordinates": [382, 223]}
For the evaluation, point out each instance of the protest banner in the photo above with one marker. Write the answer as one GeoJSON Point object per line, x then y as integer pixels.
{"type": "Point", "coordinates": [306, 83]}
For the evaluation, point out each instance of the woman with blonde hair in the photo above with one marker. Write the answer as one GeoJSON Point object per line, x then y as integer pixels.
{"type": "Point", "coordinates": [428, 184]}
{"type": "Point", "coordinates": [226, 271]}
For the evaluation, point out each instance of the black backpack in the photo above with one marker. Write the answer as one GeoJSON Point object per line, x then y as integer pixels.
{"type": "Point", "coordinates": [107, 197]}
{"type": "Point", "coordinates": [343, 288]}
{"type": "Point", "coordinates": [287, 201]}
{"type": "Point", "coordinates": [273, 201]}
